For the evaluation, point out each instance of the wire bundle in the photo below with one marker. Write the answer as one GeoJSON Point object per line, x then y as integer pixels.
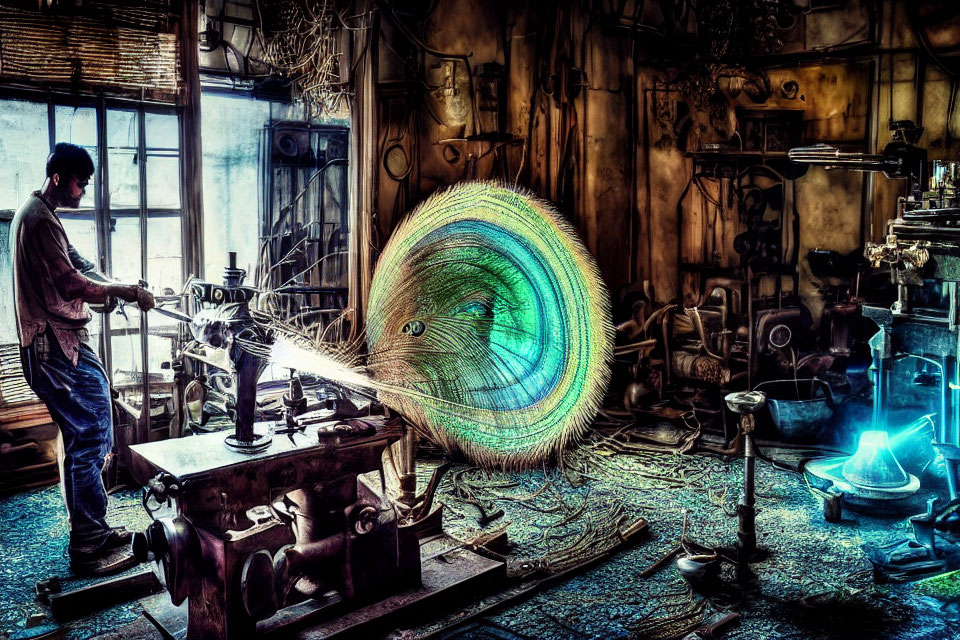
{"type": "Point", "coordinates": [302, 45]}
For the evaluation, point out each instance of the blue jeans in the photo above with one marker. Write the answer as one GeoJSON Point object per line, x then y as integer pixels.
{"type": "Point", "coordinates": [78, 399]}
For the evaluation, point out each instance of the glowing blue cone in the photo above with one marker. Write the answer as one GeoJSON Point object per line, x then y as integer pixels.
{"type": "Point", "coordinates": [874, 466]}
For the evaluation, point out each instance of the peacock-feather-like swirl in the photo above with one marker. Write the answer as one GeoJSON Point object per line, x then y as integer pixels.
{"type": "Point", "coordinates": [488, 325]}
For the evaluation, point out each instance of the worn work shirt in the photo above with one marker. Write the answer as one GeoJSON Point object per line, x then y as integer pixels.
{"type": "Point", "coordinates": [40, 249]}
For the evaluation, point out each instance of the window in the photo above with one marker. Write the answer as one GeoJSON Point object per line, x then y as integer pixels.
{"type": "Point", "coordinates": [246, 173]}
{"type": "Point", "coordinates": [132, 230]}
{"type": "Point", "coordinates": [231, 130]}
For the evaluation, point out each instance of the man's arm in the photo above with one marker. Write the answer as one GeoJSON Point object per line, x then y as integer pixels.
{"type": "Point", "coordinates": [71, 283]}
{"type": "Point", "coordinates": [84, 266]}
{"type": "Point", "coordinates": [89, 269]}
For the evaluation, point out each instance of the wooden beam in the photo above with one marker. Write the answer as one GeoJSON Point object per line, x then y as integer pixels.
{"type": "Point", "coordinates": [365, 166]}
{"type": "Point", "coordinates": [80, 602]}
{"type": "Point", "coordinates": [191, 152]}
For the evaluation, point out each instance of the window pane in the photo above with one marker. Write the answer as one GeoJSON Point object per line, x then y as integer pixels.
{"type": "Point", "coordinates": [24, 145]}
{"type": "Point", "coordinates": [163, 181]}
{"type": "Point", "coordinates": [122, 129]}
{"type": "Point", "coordinates": [125, 352]}
{"type": "Point", "coordinates": [163, 131]}
{"type": "Point", "coordinates": [161, 347]}
{"type": "Point", "coordinates": [231, 130]}
{"type": "Point", "coordinates": [125, 246]}
{"type": "Point", "coordinates": [124, 170]}
{"type": "Point", "coordinates": [164, 263]}
{"type": "Point", "coordinates": [164, 255]}
{"type": "Point", "coordinates": [163, 335]}
{"type": "Point", "coordinates": [124, 178]}
{"type": "Point", "coordinates": [78, 125]}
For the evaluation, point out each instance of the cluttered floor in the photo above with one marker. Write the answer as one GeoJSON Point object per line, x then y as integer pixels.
{"type": "Point", "coordinates": [569, 575]}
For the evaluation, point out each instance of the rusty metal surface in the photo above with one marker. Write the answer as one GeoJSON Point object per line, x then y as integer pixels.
{"type": "Point", "coordinates": [327, 530]}
{"type": "Point", "coordinates": [188, 458]}
{"type": "Point", "coordinates": [457, 572]}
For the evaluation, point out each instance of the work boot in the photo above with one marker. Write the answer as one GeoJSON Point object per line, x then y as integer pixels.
{"type": "Point", "coordinates": [119, 536]}
{"type": "Point", "coordinates": [106, 562]}
{"type": "Point", "coordinates": [112, 556]}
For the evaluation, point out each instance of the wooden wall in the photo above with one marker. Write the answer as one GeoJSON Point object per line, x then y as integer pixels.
{"type": "Point", "coordinates": [595, 132]}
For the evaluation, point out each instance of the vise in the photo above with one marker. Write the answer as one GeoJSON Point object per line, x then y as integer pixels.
{"type": "Point", "coordinates": [259, 531]}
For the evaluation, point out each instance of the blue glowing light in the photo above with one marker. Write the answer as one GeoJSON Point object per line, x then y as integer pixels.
{"type": "Point", "coordinates": [874, 465]}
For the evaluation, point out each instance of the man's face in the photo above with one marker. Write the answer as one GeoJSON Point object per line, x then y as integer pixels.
{"type": "Point", "coordinates": [72, 190]}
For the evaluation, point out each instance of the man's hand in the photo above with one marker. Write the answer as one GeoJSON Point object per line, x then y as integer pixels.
{"type": "Point", "coordinates": [126, 292]}
{"type": "Point", "coordinates": [133, 293]}
{"type": "Point", "coordinates": [145, 299]}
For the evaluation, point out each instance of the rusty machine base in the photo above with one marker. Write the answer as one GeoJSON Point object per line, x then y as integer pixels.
{"type": "Point", "coordinates": [449, 575]}
{"type": "Point", "coordinates": [292, 534]}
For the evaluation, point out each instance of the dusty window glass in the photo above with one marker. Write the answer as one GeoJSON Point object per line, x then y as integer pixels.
{"type": "Point", "coordinates": [164, 254]}
{"type": "Point", "coordinates": [123, 129]}
{"type": "Point", "coordinates": [123, 135]}
{"type": "Point", "coordinates": [163, 160]}
{"type": "Point", "coordinates": [163, 131]}
{"type": "Point", "coordinates": [163, 181]}
{"type": "Point", "coordinates": [127, 355]}
{"type": "Point", "coordinates": [164, 273]}
{"type": "Point", "coordinates": [164, 248]}
{"type": "Point", "coordinates": [24, 145]}
{"type": "Point", "coordinates": [231, 132]}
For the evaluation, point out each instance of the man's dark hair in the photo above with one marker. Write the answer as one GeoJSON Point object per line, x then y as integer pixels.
{"type": "Point", "coordinates": [69, 160]}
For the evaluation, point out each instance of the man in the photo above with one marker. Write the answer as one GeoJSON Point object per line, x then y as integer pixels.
{"type": "Point", "coordinates": [50, 297]}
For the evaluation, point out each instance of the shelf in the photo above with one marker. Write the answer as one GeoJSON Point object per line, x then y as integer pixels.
{"type": "Point", "coordinates": [696, 267]}
{"type": "Point", "coordinates": [736, 154]}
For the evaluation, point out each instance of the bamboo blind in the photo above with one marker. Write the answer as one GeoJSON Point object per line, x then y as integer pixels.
{"type": "Point", "coordinates": [109, 45]}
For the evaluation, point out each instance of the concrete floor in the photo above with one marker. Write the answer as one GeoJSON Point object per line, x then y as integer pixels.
{"type": "Point", "coordinates": [816, 584]}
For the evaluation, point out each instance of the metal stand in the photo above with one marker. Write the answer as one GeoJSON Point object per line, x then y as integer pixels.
{"type": "Point", "coordinates": [243, 439]}
{"type": "Point", "coordinates": [746, 404]}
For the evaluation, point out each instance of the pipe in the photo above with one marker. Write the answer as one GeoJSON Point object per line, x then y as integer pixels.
{"type": "Point", "coordinates": [878, 398]}
{"type": "Point", "coordinates": [868, 193]}
{"type": "Point", "coordinates": [746, 510]}
{"type": "Point", "coordinates": [247, 373]}
{"type": "Point", "coordinates": [945, 393]}
{"type": "Point", "coordinates": [300, 557]}
{"type": "Point", "coordinates": [951, 465]}
{"type": "Point", "coordinates": [954, 413]}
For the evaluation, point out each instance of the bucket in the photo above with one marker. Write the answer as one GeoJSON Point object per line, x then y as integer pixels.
{"type": "Point", "coordinates": [801, 410]}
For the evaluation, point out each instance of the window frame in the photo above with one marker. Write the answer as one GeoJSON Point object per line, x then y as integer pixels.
{"type": "Point", "coordinates": [101, 211]}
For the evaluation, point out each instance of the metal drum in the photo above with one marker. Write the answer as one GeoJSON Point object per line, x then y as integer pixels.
{"type": "Point", "coordinates": [801, 410]}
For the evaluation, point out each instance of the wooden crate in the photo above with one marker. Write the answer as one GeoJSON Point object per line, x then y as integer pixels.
{"type": "Point", "coordinates": [28, 447]}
